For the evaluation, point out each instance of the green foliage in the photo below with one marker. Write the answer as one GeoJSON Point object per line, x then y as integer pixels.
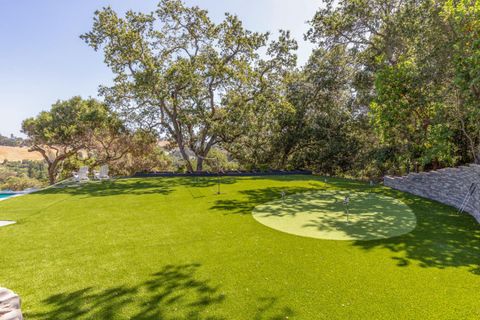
{"type": "Point", "coordinates": [19, 183]}
{"type": "Point", "coordinates": [190, 78]}
{"type": "Point", "coordinates": [12, 141]}
{"type": "Point", "coordinates": [19, 175]}
{"type": "Point", "coordinates": [322, 131]}
{"type": "Point", "coordinates": [416, 75]}
{"type": "Point", "coordinates": [150, 159]}
{"type": "Point", "coordinates": [73, 127]}
{"type": "Point", "coordinates": [219, 160]}
{"type": "Point", "coordinates": [463, 21]}
{"type": "Point", "coordinates": [67, 124]}
{"type": "Point", "coordinates": [31, 168]}
{"type": "Point", "coordinates": [406, 113]}
{"type": "Point", "coordinates": [392, 86]}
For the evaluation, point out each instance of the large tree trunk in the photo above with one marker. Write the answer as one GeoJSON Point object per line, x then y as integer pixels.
{"type": "Point", "coordinates": [52, 173]}
{"type": "Point", "coordinates": [199, 164]}
{"type": "Point", "coordinates": [181, 148]}
{"type": "Point", "coordinates": [202, 154]}
{"type": "Point", "coordinates": [286, 153]}
{"type": "Point", "coordinates": [186, 158]}
{"type": "Point", "coordinates": [52, 165]}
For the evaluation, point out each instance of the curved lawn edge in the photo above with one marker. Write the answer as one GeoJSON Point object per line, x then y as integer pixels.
{"type": "Point", "coordinates": [322, 215]}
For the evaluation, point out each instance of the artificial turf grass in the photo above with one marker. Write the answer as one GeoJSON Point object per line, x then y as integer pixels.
{"type": "Point", "coordinates": [323, 215]}
{"type": "Point", "coordinates": [171, 248]}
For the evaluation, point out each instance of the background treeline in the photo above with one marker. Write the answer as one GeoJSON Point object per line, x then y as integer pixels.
{"type": "Point", "coordinates": [20, 175]}
{"type": "Point", "coordinates": [391, 87]}
{"type": "Point", "coordinates": [414, 82]}
{"type": "Point", "coordinates": [12, 141]}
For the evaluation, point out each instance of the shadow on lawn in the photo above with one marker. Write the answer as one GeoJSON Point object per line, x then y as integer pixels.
{"type": "Point", "coordinates": [112, 188]}
{"type": "Point", "coordinates": [136, 186]}
{"type": "Point", "coordinates": [172, 293]}
{"type": "Point", "coordinates": [441, 239]}
{"type": "Point", "coordinates": [256, 197]}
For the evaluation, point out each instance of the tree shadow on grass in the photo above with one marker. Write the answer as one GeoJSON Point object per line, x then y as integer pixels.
{"type": "Point", "coordinates": [196, 185]}
{"type": "Point", "coordinates": [175, 292]}
{"type": "Point", "coordinates": [253, 198]}
{"type": "Point", "coordinates": [268, 309]}
{"type": "Point", "coordinates": [205, 182]}
{"type": "Point", "coordinates": [136, 186]}
{"type": "Point", "coordinates": [369, 216]}
{"type": "Point", "coordinates": [113, 187]}
{"type": "Point", "coordinates": [441, 239]}
{"type": "Point", "coordinates": [172, 293]}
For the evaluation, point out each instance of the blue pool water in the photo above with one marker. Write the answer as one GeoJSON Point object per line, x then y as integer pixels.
{"type": "Point", "coordinates": [6, 195]}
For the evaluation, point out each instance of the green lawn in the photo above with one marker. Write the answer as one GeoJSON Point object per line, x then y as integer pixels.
{"type": "Point", "coordinates": [171, 248]}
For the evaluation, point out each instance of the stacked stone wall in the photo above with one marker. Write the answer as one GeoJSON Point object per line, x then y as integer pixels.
{"type": "Point", "coordinates": [9, 305]}
{"type": "Point", "coordinates": [449, 186]}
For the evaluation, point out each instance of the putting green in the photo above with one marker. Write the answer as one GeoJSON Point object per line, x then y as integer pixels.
{"type": "Point", "coordinates": [322, 215]}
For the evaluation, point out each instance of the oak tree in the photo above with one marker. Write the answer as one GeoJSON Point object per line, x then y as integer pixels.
{"type": "Point", "coordinates": [179, 72]}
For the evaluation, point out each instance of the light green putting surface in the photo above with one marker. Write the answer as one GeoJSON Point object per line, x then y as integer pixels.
{"type": "Point", "coordinates": [322, 215]}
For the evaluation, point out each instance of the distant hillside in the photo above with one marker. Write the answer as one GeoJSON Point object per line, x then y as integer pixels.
{"type": "Point", "coordinates": [18, 154]}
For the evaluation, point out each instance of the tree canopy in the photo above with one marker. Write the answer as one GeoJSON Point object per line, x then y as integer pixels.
{"type": "Point", "coordinates": [391, 86]}
{"type": "Point", "coordinates": [72, 126]}
{"type": "Point", "coordinates": [186, 76]}
{"type": "Point", "coordinates": [415, 75]}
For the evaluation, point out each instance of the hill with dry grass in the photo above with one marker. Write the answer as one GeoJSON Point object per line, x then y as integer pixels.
{"type": "Point", "coordinates": [18, 154]}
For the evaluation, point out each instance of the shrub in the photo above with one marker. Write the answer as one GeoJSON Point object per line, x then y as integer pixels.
{"type": "Point", "coordinates": [20, 183]}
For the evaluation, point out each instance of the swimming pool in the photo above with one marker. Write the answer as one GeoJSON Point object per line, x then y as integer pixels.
{"type": "Point", "coordinates": [6, 195]}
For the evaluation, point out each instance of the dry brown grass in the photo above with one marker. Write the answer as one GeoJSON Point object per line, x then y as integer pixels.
{"type": "Point", "coordinates": [18, 154]}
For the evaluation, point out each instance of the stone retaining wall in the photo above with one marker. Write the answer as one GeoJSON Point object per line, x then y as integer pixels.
{"type": "Point", "coordinates": [449, 186]}
{"type": "Point", "coordinates": [9, 305]}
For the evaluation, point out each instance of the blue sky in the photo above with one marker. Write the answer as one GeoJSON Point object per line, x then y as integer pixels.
{"type": "Point", "coordinates": [42, 58]}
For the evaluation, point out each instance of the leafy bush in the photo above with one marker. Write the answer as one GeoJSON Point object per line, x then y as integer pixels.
{"type": "Point", "coordinates": [30, 168]}
{"type": "Point", "coordinates": [20, 175]}
{"type": "Point", "coordinates": [219, 160]}
{"type": "Point", "coordinates": [20, 183]}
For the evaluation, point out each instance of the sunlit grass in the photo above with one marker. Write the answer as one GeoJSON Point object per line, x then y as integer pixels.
{"type": "Point", "coordinates": [171, 248]}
